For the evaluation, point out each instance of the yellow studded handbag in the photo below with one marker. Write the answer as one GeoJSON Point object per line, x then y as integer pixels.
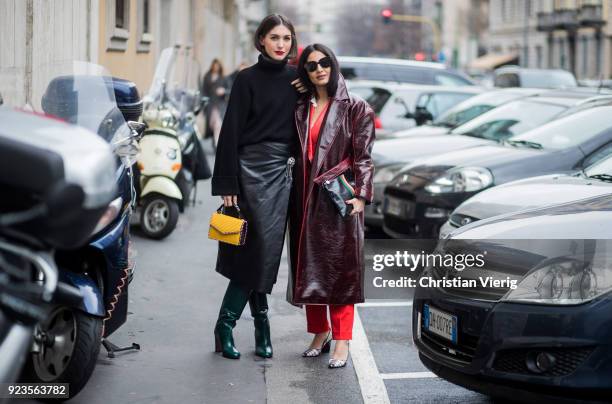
{"type": "Point", "coordinates": [227, 229]}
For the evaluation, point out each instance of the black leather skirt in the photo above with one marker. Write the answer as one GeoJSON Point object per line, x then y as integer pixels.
{"type": "Point", "coordinates": [265, 185]}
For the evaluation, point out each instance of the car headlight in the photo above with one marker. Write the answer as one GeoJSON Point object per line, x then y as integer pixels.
{"type": "Point", "coordinates": [112, 211]}
{"type": "Point", "coordinates": [562, 281]}
{"type": "Point", "coordinates": [464, 179]}
{"type": "Point", "coordinates": [386, 174]}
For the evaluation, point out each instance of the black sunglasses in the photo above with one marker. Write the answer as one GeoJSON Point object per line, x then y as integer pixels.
{"type": "Point", "coordinates": [324, 62]}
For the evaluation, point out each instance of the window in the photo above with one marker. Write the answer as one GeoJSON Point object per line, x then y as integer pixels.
{"type": "Point", "coordinates": [145, 36]}
{"type": "Point", "coordinates": [585, 56]}
{"type": "Point", "coordinates": [571, 130]}
{"type": "Point", "coordinates": [146, 27]}
{"type": "Point", "coordinates": [376, 97]}
{"type": "Point", "coordinates": [120, 14]}
{"type": "Point", "coordinates": [117, 24]}
{"type": "Point", "coordinates": [599, 162]}
{"type": "Point", "coordinates": [509, 119]}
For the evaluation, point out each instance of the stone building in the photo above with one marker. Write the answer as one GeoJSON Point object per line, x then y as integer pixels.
{"type": "Point", "coordinates": [569, 34]}
{"type": "Point", "coordinates": [124, 36]}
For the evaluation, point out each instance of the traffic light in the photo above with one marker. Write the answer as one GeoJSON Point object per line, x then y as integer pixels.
{"type": "Point", "coordinates": [386, 15]}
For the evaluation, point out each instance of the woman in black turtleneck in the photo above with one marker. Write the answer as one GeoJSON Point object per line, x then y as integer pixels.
{"type": "Point", "coordinates": [253, 172]}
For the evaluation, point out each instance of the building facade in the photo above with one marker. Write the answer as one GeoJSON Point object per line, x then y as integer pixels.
{"type": "Point", "coordinates": [39, 37]}
{"type": "Point", "coordinates": [574, 35]}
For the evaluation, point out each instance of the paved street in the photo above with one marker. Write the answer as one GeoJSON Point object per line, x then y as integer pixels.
{"type": "Point", "coordinates": [174, 299]}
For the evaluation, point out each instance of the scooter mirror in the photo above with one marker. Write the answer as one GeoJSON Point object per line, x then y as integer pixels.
{"type": "Point", "coordinates": [138, 127]}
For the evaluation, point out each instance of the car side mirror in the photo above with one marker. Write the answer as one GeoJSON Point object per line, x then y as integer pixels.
{"type": "Point", "coordinates": [422, 116]}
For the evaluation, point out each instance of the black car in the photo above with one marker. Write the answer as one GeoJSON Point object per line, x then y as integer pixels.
{"type": "Point", "coordinates": [421, 197]}
{"type": "Point", "coordinates": [509, 119]}
{"type": "Point", "coordinates": [545, 334]}
{"type": "Point", "coordinates": [534, 192]}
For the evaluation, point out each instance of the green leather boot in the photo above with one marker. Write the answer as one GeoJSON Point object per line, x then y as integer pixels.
{"type": "Point", "coordinates": [258, 303]}
{"type": "Point", "coordinates": [233, 304]}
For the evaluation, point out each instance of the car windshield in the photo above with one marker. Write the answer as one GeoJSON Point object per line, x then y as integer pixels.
{"type": "Point", "coordinates": [602, 167]}
{"type": "Point", "coordinates": [508, 120]}
{"type": "Point", "coordinates": [571, 130]}
{"type": "Point", "coordinates": [473, 107]}
{"type": "Point", "coordinates": [547, 79]}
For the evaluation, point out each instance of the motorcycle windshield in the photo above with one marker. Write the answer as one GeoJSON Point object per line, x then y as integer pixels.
{"type": "Point", "coordinates": [176, 80]}
{"type": "Point", "coordinates": [81, 93]}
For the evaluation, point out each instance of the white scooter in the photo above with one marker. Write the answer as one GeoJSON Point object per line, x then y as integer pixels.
{"type": "Point", "coordinates": [169, 165]}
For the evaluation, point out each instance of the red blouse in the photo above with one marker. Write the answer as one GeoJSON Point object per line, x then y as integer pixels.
{"type": "Point", "coordinates": [315, 128]}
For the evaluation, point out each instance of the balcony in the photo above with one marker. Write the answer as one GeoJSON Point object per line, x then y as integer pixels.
{"type": "Point", "coordinates": [591, 15]}
{"type": "Point", "coordinates": [566, 19]}
{"type": "Point", "coordinates": [545, 22]}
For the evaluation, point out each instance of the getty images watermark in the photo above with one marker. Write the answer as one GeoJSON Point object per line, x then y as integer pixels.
{"type": "Point", "coordinates": [409, 261]}
{"type": "Point", "coordinates": [393, 268]}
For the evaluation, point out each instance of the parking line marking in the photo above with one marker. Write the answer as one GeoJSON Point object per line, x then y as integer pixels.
{"type": "Point", "coordinates": [409, 375]}
{"type": "Point", "coordinates": [373, 390]}
{"type": "Point", "coordinates": [386, 304]}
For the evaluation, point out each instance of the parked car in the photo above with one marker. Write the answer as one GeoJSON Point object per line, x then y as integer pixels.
{"type": "Point", "coordinates": [546, 340]}
{"type": "Point", "coordinates": [510, 119]}
{"type": "Point", "coordinates": [402, 106]}
{"type": "Point", "coordinates": [421, 197]}
{"type": "Point", "coordinates": [533, 192]}
{"type": "Point", "coordinates": [515, 76]}
{"type": "Point", "coordinates": [401, 71]}
{"type": "Point", "coordinates": [467, 110]}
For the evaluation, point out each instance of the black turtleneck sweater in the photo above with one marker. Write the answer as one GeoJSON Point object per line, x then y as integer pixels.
{"type": "Point", "coordinates": [260, 108]}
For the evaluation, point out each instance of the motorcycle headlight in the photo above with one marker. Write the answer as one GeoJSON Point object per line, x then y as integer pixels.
{"type": "Point", "coordinates": [386, 174]}
{"type": "Point", "coordinates": [112, 211]}
{"type": "Point", "coordinates": [563, 281]}
{"type": "Point", "coordinates": [464, 179]}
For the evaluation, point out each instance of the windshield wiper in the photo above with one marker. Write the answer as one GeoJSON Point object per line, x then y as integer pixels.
{"type": "Point", "coordinates": [602, 177]}
{"type": "Point", "coordinates": [532, 145]}
{"type": "Point", "coordinates": [445, 125]}
{"type": "Point", "coordinates": [472, 134]}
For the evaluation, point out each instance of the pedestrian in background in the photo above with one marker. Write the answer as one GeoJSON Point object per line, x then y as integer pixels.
{"type": "Point", "coordinates": [215, 87]}
{"type": "Point", "coordinates": [336, 132]}
{"type": "Point", "coordinates": [253, 171]}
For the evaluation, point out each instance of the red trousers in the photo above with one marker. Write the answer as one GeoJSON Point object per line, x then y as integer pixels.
{"type": "Point", "coordinates": [341, 320]}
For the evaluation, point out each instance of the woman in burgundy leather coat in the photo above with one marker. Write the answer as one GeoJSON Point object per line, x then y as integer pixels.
{"type": "Point", "coordinates": [336, 132]}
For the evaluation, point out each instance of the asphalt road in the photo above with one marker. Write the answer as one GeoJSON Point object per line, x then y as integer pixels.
{"type": "Point", "coordinates": [173, 304]}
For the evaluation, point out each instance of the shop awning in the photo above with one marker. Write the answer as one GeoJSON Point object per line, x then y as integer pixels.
{"type": "Point", "coordinates": [494, 60]}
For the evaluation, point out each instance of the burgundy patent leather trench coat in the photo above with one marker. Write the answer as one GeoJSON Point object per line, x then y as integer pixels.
{"type": "Point", "coordinates": [326, 250]}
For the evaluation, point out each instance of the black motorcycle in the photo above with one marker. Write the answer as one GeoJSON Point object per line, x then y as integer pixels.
{"type": "Point", "coordinates": [49, 202]}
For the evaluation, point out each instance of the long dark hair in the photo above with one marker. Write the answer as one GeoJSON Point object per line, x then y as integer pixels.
{"type": "Point", "coordinates": [268, 24]}
{"type": "Point", "coordinates": [332, 85]}
{"type": "Point", "coordinates": [218, 62]}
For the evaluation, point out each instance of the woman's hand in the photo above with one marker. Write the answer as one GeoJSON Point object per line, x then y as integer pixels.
{"type": "Point", "coordinates": [299, 86]}
{"type": "Point", "coordinates": [358, 205]}
{"type": "Point", "coordinates": [230, 200]}
{"type": "Point", "coordinates": [220, 91]}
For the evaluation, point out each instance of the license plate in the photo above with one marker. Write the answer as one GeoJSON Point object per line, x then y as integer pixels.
{"type": "Point", "coordinates": [395, 207]}
{"type": "Point", "coordinates": [440, 323]}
